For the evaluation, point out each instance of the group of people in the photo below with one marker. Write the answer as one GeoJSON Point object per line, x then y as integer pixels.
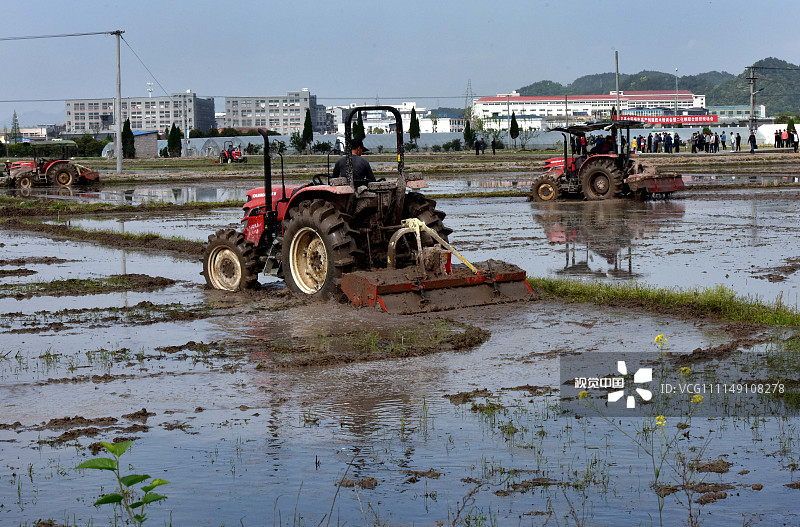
{"type": "Point", "coordinates": [658, 142]}
{"type": "Point", "coordinates": [786, 139]}
{"type": "Point", "coordinates": [706, 142]}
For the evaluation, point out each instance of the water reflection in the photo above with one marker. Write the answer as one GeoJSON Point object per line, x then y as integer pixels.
{"type": "Point", "coordinates": [598, 236]}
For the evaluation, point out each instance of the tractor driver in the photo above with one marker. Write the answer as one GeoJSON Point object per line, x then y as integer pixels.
{"type": "Point", "coordinates": [362, 172]}
{"type": "Point", "coordinates": [604, 146]}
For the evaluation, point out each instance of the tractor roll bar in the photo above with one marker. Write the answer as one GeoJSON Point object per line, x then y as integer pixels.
{"type": "Point", "coordinates": [267, 171]}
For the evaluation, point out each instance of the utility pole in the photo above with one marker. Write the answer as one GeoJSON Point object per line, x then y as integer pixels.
{"type": "Point", "coordinates": [676, 95]}
{"type": "Point", "coordinates": [508, 113]}
{"type": "Point", "coordinates": [566, 111]}
{"type": "Point", "coordinates": [619, 110]}
{"type": "Point", "coordinates": [752, 79]}
{"type": "Point", "coordinates": [118, 106]}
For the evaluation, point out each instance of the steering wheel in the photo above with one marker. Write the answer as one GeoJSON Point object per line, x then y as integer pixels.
{"type": "Point", "coordinates": [317, 179]}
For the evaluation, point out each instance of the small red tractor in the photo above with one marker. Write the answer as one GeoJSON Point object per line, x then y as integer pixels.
{"type": "Point", "coordinates": [373, 242]}
{"type": "Point", "coordinates": [232, 154]}
{"type": "Point", "coordinates": [55, 172]}
{"type": "Point", "coordinates": [600, 176]}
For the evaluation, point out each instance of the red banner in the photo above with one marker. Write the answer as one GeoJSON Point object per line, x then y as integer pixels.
{"type": "Point", "coordinates": [684, 119]}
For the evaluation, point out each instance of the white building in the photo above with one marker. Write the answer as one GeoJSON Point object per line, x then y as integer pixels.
{"type": "Point", "coordinates": [584, 106]}
{"type": "Point", "coordinates": [186, 110]}
{"type": "Point", "coordinates": [378, 119]}
{"type": "Point", "coordinates": [284, 114]}
{"type": "Point", "coordinates": [442, 125]}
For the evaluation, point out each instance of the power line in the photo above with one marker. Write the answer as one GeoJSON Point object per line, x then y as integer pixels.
{"type": "Point", "coordinates": [145, 67]}
{"type": "Point", "coordinates": [62, 35]}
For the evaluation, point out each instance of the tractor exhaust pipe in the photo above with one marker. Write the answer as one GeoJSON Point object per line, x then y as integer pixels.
{"type": "Point", "coordinates": [267, 171]}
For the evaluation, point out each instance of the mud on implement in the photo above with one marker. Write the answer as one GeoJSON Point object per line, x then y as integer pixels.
{"type": "Point", "coordinates": [379, 244]}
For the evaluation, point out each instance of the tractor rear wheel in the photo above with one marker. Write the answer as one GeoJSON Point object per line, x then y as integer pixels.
{"type": "Point", "coordinates": [545, 188]}
{"type": "Point", "coordinates": [601, 180]}
{"type": "Point", "coordinates": [418, 206]}
{"type": "Point", "coordinates": [318, 246]}
{"type": "Point", "coordinates": [230, 262]}
{"type": "Point", "coordinates": [64, 175]}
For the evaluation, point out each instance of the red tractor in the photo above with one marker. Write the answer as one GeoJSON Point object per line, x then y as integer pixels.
{"type": "Point", "coordinates": [372, 242]}
{"type": "Point", "coordinates": [602, 174]}
{"type": "Point", "coordinates": [231, 154]}
{"type": "Point", "coordinates": [62, 172]}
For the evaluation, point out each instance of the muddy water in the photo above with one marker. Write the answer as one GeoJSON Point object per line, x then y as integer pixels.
{"type": "Point", "coordinates": [243, 443]}
{"type": "Point", "coordinates": [742, 239]}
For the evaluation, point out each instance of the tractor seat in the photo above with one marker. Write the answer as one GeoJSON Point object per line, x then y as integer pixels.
{"type": "Point", "coordinates": [382, 185]}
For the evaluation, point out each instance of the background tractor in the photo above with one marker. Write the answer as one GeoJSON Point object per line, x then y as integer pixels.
{"type": "Point", "coordinates": [56, 172]}
{"type": "Point", "coordinates": [378, 243]}
{"type": "Point", "coordinates": [600, 176]}
{"type": "Point", "coordinates": [231, 154]}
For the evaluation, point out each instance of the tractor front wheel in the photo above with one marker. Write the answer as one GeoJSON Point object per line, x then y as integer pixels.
{"type": "Point", "coordinates": [229, 262]}
{"type": "Point", "coordinates": [601, 180]}
{"type": "Point", "coordinates": [318, 246]}
{"type": "Point", "coordinates": [545, 188]}
{"type": "Point", "coordinates": [25, 181]}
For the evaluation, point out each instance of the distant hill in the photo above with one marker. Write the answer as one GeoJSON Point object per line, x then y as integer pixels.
{"type": "Point", "coordinates": [602, 83]}
{"type": "Point", "coordinates": [781, 93]}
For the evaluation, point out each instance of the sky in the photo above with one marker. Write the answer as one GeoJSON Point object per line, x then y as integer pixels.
{"type": "Point", "coordinates": [355, 51]}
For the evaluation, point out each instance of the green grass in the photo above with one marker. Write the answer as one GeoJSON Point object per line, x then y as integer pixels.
{"type": "Point", "coordinates": [57, 207]}
{"type": "Point", "coordinates": [71, 285]}
{"type": "Point", "coordinates": [719, 302]}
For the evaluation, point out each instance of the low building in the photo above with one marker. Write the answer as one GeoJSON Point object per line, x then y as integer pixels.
{"type": "Point", "coordinates": [738, 112]}
{"type": "Point", "coordinates": [582, 106]}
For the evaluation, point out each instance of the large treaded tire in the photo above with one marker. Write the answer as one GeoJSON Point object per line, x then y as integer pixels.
{"type": "Point", "coordinates": [601, 180]}
{"type": "Point", "coordinates": [545, 188]}
{"type": "Point", "coordinates": [418, 206]}
{"type": "Point", "coordinates": [62, 174]}
{"type": "Point", "coordinates": [24, 181]}
{"type": "Point", "coordinates": [230, 262]}
{"type": "Point", "coordinates": [318, 246]}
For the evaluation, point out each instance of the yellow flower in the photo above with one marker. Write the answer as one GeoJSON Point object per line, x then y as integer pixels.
{"type": "Point", "coordinates": [659, 338]}
{"type": "Point", "coordinates": [582, 395]}
{"type": "Point", "coordinates": [661, 420]}
{"type": "Point", "coordinates": [697, 399]}
{"type": "Point", "coordinates": [686, 370]}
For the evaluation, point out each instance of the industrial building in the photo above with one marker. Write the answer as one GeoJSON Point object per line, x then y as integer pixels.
{"type": "Point", "coordinates": [280, 113]}
{"type": "Point", "coordinates": [146, 114]}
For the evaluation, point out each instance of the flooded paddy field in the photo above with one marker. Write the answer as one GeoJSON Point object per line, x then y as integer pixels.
{"type": "Point", "coordinates": [217, 397]}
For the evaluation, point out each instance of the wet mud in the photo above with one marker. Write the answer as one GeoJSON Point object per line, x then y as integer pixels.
{"type": "Point", "coordinates": [185, 248]}
{"type": "Point", "coordinates": [86, 286]}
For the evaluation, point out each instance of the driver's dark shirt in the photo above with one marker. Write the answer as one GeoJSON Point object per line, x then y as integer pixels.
{"type": "Point", "coordinates": [362, 172]}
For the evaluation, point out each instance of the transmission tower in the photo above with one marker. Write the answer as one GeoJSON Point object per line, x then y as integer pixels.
{"type": "Point", "coordinates": [469, 98]}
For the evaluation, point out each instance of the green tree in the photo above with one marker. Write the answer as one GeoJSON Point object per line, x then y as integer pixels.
{"type": "Point", "coordinates": [297, 142]}
{"type": "Point", "coordinates": [212, 132]}
{"type": "Point", "coordinates": [469, 135]}
{"type": "Point", "coordinates": [194, 133]}
{"type": "Point", "coordinates": [358, 130]}
{"type": "Point", "coordinates": [15, 134]}
{"type": "Point", "coordinates": [790, 124]}
{"type": "Point", "coordinates": [229, 132]}
{"type": "Point", "coordinates": [613, 112]}
{"type": "Point", "coordinates": [174, 145]}
{"type": "Point", "coordinates": [128, 143]}
{"type": "Point", "coordinates": [308, 129]}
{"type": "Point", "coordinates": [413, 127]}
{"type": "Point", "coordinates": [514, 131]}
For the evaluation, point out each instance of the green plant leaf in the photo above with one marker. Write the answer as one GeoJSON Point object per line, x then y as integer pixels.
{"type": "Point", "coordinates": [116, 449]}
{"type": "Point", "coordinates": [150, 498]}
{"type": "Point", "coordinates": [140, 518]}
{"type": "Point", "coordinates": [155, 483]}
{"type": "Point", "coordinates": [133, 479]}
{"type": "Point", "coordinates": [136, 505]}
{"type": "Point", "coordinates": [100, 463]}
{"type": "Point", "coordinates": [109, 498]}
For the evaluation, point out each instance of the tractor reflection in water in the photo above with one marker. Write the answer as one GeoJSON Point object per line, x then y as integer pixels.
{"type": "Point", "coordinates": [608, 231]}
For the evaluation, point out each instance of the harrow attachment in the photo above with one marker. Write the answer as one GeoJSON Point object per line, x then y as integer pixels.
{"type": "Point", "coordinates": [434, 283]}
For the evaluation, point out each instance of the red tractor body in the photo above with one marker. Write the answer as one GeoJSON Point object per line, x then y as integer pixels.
{"type": "Point", "coordinates": [603, 175]}
{"type": "Point", "coordinates": [378, 243]}
{"type": "Point", "coordinates": [62, 172]}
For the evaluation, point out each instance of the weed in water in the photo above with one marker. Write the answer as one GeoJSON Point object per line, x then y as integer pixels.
{"type": "Point", "coordinates": [125, 497]}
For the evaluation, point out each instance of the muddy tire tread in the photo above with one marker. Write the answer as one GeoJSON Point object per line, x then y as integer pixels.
{"type": "Point", "coordinates": [247, 255]}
